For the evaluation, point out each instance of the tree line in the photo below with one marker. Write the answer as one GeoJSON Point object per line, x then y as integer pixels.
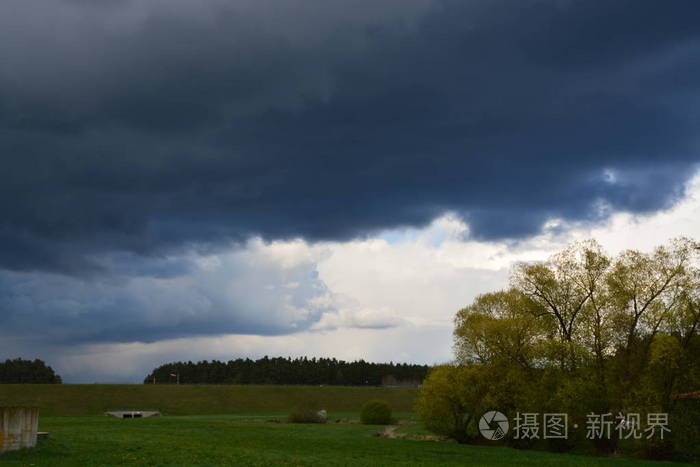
{"type": "Point", "coordinates": [19, 371]}
{"type": "Point", "coordinates": [581, 333]}
{"type": "Point", "coordinates": [281, 370]}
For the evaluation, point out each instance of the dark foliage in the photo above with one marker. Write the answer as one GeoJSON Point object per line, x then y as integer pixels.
{"type": "Point", "coordinates": [19, 371]}
{"type": "Point", "coordinates": [685, 427]}
{"type": "Point", "coordinates": [281, 370]}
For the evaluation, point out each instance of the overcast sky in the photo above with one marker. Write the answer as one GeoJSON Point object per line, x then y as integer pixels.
{"type": "Point", "coordinates": [232, 178]}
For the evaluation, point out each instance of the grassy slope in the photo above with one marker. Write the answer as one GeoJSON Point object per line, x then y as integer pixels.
{"type": "Point", "coordinates": [230, 440]}
{"type": "Point", "coordinates": [93, 399]}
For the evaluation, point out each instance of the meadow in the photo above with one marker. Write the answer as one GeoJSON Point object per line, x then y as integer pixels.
{"type": "Point", "coordinates": [253, 431]}
{"type": "Point", "coordinates": [256, 441]}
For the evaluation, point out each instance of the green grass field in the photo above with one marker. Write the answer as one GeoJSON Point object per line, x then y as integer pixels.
{"type": "Point", "coordinates": [94, 399]}
{"type": "Point", "coordinates": [191, 432]}
{"type": "Point", "coordinates": [244, 441]}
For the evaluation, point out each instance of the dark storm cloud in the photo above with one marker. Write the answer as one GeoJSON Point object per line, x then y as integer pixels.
{"type": "Point", "coordinates": [142, 127]}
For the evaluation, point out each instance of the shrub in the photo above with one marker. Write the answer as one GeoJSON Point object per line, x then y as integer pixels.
{"type": "Point", "coordinates": [451, 401]}
{"type": "Point", "coordinates": [307, 412]}
{"type": "Point", "coordinates": [376, 412]}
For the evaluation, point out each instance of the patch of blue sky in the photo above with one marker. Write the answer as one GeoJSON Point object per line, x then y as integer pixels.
{"type": "Point", "coordinates": [432, 237]}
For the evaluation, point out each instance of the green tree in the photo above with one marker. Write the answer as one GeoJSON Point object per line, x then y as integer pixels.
{"type": "Point", "coordinates": [581, 332]}
{"type": "Point", "coordinates": [563, 286]}
{"type": "Point", "coordinates": [452, 399]}
{"type": "Point", "coordinates": [20, 371]}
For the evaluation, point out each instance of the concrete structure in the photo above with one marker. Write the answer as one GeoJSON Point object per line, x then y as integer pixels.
{"type": "Point", "coordinates": [132, 413]}
{"type": "Point", "coordinates": [18, 426]}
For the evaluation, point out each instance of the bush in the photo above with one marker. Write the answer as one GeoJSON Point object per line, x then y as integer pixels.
{"type": "Point", "coordinates": [451, 401]}
{"type": "Point", "coordinates": [307, 412]}
{"type": "Point", "coordinates": [376, 412]}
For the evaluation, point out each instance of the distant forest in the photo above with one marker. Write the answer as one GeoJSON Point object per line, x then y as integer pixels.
{"type": "Point", "coordinates": [19, 371]}
{"type": "Point", "coordinates": [281, 370]}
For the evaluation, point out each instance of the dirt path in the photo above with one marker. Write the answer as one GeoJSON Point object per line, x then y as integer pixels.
{"type": "Point", "coordinates": [388, 432]}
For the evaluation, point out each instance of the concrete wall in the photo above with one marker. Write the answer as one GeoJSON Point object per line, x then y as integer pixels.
{"type": "Point", "coordinates": [18, 427]}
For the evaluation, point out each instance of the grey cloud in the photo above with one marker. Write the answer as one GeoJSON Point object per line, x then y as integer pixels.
{"type": "Point", "coordinates": [246, 292]}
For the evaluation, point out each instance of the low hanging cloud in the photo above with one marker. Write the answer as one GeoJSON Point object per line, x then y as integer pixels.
{"type": "Point", "coordinates": [249, 291]}
{"type": "Point", "coordinates": [151, 127]}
